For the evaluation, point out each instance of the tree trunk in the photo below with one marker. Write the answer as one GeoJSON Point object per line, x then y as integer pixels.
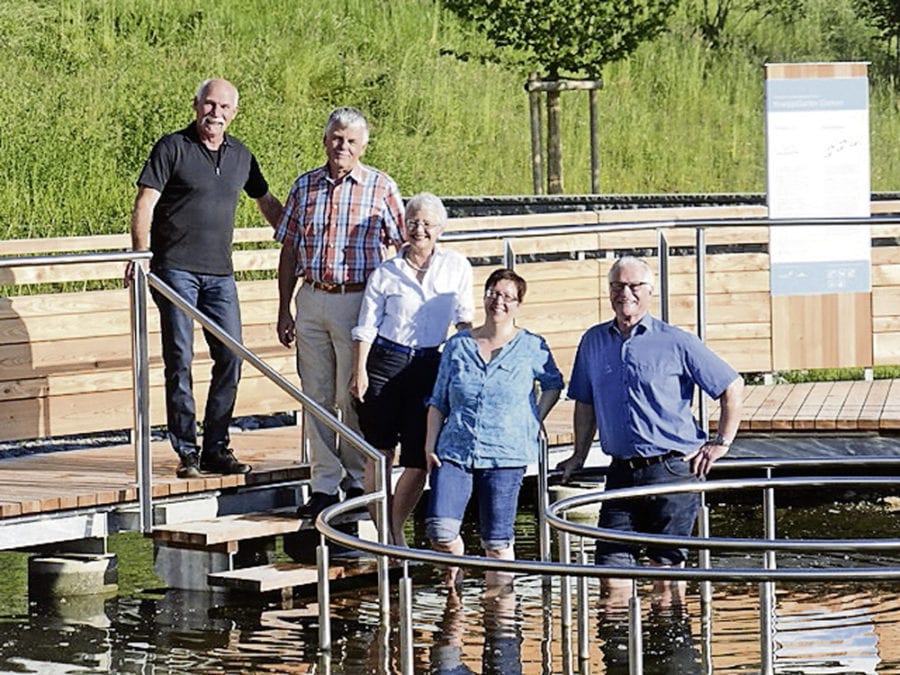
{"type": "Point", "coordinates": [554, 145]}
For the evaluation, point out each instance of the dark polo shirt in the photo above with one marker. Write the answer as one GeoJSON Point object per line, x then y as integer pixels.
{"type": "Point", "coordinates": [193, 222]}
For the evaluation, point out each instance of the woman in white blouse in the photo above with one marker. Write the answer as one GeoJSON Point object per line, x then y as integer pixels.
{"type": "Point", "coordinates": [409, 304]}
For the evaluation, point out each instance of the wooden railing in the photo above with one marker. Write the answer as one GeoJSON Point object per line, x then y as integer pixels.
{"type": "Point", "coordinates": [65, 357]}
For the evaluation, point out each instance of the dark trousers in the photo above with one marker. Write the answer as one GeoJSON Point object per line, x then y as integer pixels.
{"type": "Point", "coordinates": [216, 296]}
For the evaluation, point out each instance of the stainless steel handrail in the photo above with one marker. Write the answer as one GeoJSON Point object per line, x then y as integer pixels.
{"type": "Point", "coordinates": [724, 543]}
{"type": "Point", "coordinates": [565, 568]}
{"type": "Point", "coordinates": [323, 523]}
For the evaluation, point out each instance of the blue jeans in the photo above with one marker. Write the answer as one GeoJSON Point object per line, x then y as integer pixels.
{"type": "Point", "coordinates": [671, 514]}
{"type": "Point", "coordinates": [216, 296]}
{"type": "Point", "coordinates": [498, 500]}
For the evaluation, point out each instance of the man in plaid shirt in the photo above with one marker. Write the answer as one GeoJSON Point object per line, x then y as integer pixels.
{"type": "Point", "coordinates": [338, 221]}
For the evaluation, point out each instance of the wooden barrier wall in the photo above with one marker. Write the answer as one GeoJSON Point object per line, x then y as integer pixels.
{"type": "Point", "coordinates": [65, 358]}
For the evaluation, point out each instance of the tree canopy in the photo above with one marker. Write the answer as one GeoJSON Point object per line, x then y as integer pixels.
{"type": "Point", "coordinates": [573, 38]}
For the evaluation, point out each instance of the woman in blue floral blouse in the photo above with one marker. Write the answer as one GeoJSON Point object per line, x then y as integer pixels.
{"type": "Point", "coordinates": [484, 421]}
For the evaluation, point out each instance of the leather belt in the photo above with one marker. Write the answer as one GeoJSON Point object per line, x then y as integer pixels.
{"type": "Point", "coordinates": [390, 345]}
{"type": "Point", "coordinates": [328, 287]}
{"type": "Point", "coordinates": [643, 462]}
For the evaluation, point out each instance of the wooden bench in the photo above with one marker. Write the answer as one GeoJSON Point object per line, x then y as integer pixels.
{"type": "Point", "coordinates": [66, 357]}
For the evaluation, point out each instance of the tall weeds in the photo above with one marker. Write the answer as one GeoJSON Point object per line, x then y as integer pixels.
{"type": "Point", "coordinates": [89, 85]}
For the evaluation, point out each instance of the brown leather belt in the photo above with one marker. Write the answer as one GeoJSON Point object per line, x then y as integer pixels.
{"type": "Point", "coordinates": [328, 287]}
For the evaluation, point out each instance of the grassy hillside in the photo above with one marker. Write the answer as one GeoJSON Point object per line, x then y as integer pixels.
{"type": "Point", "coordinates": [90, 84]}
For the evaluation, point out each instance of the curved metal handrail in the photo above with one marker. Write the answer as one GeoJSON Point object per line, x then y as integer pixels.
{"type": "Point", "coordinates": [721, 543]}
{"type": "Point", "coordinates": [323, 524]}
{"type": "Point", "coordinates": [565, 569]}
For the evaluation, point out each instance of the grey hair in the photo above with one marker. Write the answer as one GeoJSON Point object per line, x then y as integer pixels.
{"type": "Point", "coordinates": [632, 261]}
{"type": "Point", "coordinates": [201, 90]}
{"type": "Point", "coordinates": [342, 118]}
{"type": "Point", "coordinates": [425, 201]}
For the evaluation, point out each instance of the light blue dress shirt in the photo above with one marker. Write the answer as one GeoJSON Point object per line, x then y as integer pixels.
{"type": "Point", "coordinates": [641, 388]}
{"type": "Point", "coordinates": [490, 409]}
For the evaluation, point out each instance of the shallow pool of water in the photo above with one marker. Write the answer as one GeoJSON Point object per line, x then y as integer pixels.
{"type": "Point", "coordinates": [825, 628]}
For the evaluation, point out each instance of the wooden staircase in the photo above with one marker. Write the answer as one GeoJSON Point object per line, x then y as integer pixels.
{"type": "Point", "coordinates": [237, 552]}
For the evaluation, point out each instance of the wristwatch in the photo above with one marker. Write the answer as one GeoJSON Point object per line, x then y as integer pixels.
{"type": "Point", "coordinates": [721, 440]}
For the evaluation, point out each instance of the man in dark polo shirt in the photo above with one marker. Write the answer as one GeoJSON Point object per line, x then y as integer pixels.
{"type": "Point", "coordinates": [184, 213]}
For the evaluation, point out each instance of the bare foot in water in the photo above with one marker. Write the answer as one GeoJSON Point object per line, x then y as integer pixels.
{"type": "Point", "coordinates": [453, 578]}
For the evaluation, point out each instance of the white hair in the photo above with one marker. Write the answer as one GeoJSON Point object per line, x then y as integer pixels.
{"type": "Point", "coordinates": [425, 201]}
{"type": "Point", "coordinates": [345, 117]}
{"type": "Point", "coordinates": [632, 261]}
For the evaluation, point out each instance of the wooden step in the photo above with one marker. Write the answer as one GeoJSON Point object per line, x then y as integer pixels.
{"type": "Point", "coordinates": [224, 530]}
{"type": "Point", "coordinates": [287, 575]}
{"type": "Point", "coordinates": [212, 532]}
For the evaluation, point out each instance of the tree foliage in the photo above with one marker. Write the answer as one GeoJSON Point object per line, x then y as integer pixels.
{"type": "Point", "coordinates": [717, 21]}
{"type": "Point", "coordinates": [567, 37]}
{"type": "Point", "coordinates": [884, 15]}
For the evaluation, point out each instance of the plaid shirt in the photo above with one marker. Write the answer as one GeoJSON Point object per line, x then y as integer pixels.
{"type": "Point", "coordinates": [340, 230]}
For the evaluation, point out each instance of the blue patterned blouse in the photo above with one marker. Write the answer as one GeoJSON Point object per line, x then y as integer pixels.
{"type": "Point", "coordinates": [490, 409]}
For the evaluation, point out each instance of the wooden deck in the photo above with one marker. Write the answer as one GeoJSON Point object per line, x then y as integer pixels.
{"type": "Point", "coordinates": [55, 481]}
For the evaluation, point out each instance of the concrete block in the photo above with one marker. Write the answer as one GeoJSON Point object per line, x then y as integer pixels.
{"type": "Point", "coordinates": [187, 569]}
{"type": "Point", "coordinates": [72, 575]}
{"type": "Point", "coordinates": [583, 514]}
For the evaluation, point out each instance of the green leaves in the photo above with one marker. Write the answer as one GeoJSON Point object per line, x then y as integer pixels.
{"type": "Point", "coordinates": [566, 38]}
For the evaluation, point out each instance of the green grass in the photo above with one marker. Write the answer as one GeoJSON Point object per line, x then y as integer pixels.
{"type": "Point", "coordinates": [89, 85]}
{"type": "Point", "coordinates": [830, 374]}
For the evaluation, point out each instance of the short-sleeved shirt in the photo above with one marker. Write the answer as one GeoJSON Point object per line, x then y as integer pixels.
{"type": "Point", "coordinates": [400, 308]}
{"type": "Point", "coordinates": [193, 221]}
{"type": "Point", "coordinates": [490, 409]}
{"type": "Point", "coordinates": [340, 229]}
{"type": "Point", "coordinates": [642, 387]}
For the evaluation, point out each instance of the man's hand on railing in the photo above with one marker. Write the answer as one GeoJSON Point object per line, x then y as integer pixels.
{"type": "Point", "coordinates": [569, 467]}
{"type": "Point", "coordinates": [129, 271]}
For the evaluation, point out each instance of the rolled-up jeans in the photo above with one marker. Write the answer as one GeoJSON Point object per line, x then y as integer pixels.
{"type": "Point", "coordinates": [216, 296]}
{"type": "Point", "coordinates": [498, 501]}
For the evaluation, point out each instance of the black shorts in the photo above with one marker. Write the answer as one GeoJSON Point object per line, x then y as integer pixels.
{"type": "Point", "coordinates": [394, 408]}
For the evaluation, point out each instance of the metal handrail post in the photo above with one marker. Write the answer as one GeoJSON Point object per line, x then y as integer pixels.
{"type": "Point", "coordinates": [543, 489]}
{"type": "Point", "coordinates": [324, 595]}
{"type": "Point", "coordinates": [701, 311]}
{"type": "Point", "coordinates": [406, 632]}
{"type": "Point", "coordinates": [663, 249]}
{"type": "Point", "coordinates": [767, 588]}
{"type": "Point", "coordinates": [635, 635]}
{"type": "Point", "coordinates": [547, 599]}
{"type": "Point", "coordinates": [704, 557]}
{"type": "Point", "coordinates": [509, 255]}
{"type": "Point", "coordinates": [565, 591]}
{"type": "Point", "coordinates": [584, 636]}
{"type": "Point", "coordinates": [140, 369]}
{"type": "Point", "coordinates": [383, 525]}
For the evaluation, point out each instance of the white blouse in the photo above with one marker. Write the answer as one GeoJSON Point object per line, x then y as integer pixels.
{"type": "Point", "coordinates": [397, 307]}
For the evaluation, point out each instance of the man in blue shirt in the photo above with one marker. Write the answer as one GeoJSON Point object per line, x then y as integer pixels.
{"type": "Point", "coordinates": [634, 379]}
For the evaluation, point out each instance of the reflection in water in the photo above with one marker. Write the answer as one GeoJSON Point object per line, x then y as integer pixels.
{"type": "Point", "coordinates": [831, 629]}
{"type": "Point", "coordinates": [826, 628]}
{"type": "Point", "coordinates": [501, 653]}
{"type": "Point", "coordinates": [667, 636]}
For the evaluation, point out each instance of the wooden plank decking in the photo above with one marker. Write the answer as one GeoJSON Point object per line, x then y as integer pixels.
{"type": "Point", "coordinates": [55, 481]}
